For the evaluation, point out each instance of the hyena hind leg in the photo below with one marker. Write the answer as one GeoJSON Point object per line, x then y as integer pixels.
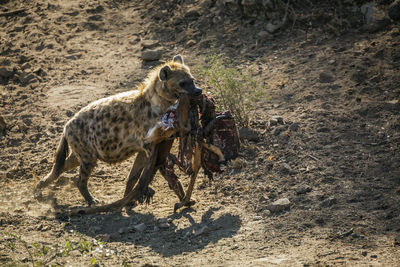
{"type": "Point", "coordinates": [70, 163]}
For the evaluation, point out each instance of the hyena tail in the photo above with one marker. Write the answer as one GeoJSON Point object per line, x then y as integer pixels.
{"type": "Point", "coordinates": [59, 163]}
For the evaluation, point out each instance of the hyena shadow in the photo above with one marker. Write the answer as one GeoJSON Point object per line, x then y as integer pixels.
{"type": "Point", "coordinates": [162, 235]}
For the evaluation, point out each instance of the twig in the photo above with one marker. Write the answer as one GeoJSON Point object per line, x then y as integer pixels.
{"type": "Point", "coordinates": [12, 13]}
{"type": "Point", "coordinates": [314, 158]}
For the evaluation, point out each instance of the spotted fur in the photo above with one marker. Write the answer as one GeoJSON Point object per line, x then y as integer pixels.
{"type": "Point", "coordinates": [114, 128]}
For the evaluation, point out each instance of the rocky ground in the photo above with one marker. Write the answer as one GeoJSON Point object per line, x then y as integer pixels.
{"type": "Point", "coordinates": [318, 177]}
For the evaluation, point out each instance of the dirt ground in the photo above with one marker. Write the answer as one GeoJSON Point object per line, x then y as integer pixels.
{"type": "Point", "coordinates": [335, 155]}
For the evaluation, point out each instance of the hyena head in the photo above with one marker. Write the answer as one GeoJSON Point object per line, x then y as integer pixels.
{"type": "Point", "coordinates": [177, 79]}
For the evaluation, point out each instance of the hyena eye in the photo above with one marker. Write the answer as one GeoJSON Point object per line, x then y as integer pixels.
{"type": "Point", "coordinates": [182, 84]}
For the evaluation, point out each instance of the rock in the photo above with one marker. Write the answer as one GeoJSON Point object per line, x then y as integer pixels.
{"type": "Point", "coordinates": [149, 43]}
{"type": "Point", "coordinates": [151, 55]}
{"type": "Point", "coordinates": [328, 202]}
{"type": "Point", "coordinates": [279, 205]}
{"type": "Point", "coordinates": [394, 11]}
{"type": "Point", "coordinates": [257, 218]}
{"type": "Point", "coordinates": [302, 189]}
{"type": "Point", "coordinates": [26, 65]}
{"type": "Point", "coordinates": [163, 225]}
{"type": "Point", "coordinates": [25, 78]}
{"type": "Point", "coordinates": [396, 241]}
{"type": "Point", "coordinates": [249, 134]}
{"type": "Point", "coordinates": [275, 120]}
{"type": "Point", "coordinates": [6, 72]}
{"type": "Point", "coordinates": [190, 43]}
{"type": "Point", "coordinates": [325, 77]}
{"type": "Point", "coordinates": [294, 127]}
{"type": "Point", "coordinates": [285, 168]}
{"type": "Point", "coordinates": [3, 125]}
{"type": "Point", "coordinates": [202, 231]}
{"type": "Point", "coordinates": [139, 227]}
{"type": "Point", "coordinates": [265, 35]}
{"type": "Point", "coordinates": [278, 130]}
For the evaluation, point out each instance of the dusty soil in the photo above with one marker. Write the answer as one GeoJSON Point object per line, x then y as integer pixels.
{"type": "Point", "coordinates": [335, 156]}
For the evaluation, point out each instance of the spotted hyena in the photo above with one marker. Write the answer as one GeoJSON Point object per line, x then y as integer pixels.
{"type": "Point", "coordinates": [113, 129]}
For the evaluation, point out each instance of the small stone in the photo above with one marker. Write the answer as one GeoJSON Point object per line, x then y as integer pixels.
{"type": "Point", "coordinates": [275, 120]}
{"type": "Point", "coordinates": [364, 253]}
{"type": "Point", "coordinates": [202, 231]}
{"type": "Point", "coordinates": [139, 227]}
{"type": "Point", "coordinates": [69, 113]}
{"type": "Point", "coordinates": [285, 168]}
{"type": "Point", "coordinates": [278, 130]}
{"type": "Point", "coordinates": [294, 127]}
{"type": "Point", "coordinates": [6, 72]}
{"type": "Point", "coordinates": [302, 189]}
{"type": "Point", "coordinates": [332, 61]}
{"type": "Point", "coordinates": [264, 35]}
{"type": "Point", "coordinates": [149, 43]}
{"type": "Point", "coordinates": [396, 241]}
{"type": "Point", "coordinates": [26, 65]}
{"type": "Point", "coordinates": [328, 202]}
{"type": "Point", "coordinates": [279, 205]}
{"type": "Point", "coordinates": [40, 227]}
{"type": "Point", "coordinates": [249, 134]}
{"type": "Point", "coordinates": [3, 124]}
{"type": "Point", "coordinates": [151, 55]}
{"type": "Point", "coordinates": [374, 256]}
{"type": "Point", "coordinates": [236, 246]}
{"type": "Point", "coordinates": [325, 77]}
{"type": "Point", "coordinates": [257, 218]}
{"type": "Point", "coordinates": [25, 78]}
{"type": "Point", "coordinates": [163, 225]}
{"type": "Point", "coordinates": [190, 43]}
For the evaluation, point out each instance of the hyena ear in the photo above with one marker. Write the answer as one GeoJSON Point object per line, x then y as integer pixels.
{"type": "Point", "coordinates": [164, 73]}
{"type": "Point", "coordinates": [178, 58]}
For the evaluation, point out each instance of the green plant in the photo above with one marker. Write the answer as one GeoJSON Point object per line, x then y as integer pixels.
{"type": "Point", "coordinates": [236, 91]}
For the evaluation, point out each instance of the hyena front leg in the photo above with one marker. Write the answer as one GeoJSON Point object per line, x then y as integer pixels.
{"type": "Point", "coordinates": [86, 169]}
{"type": "Point", "coordinates": [135, 172]}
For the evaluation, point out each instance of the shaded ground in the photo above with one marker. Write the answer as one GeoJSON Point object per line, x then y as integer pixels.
{"type": "Point", "coordinates": [339, 168]}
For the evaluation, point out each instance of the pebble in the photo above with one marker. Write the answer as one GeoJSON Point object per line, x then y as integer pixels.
{"type": "Point", "coordinates": [302, 189]}
{"type": "Point", "coordinates": [279, 205]}
{"type": "Point", "coordinates": [275, 120]}
{"type": "Point", "coordinates": [264, 35]}
{"type": "Point", "coordinates": [285, 168]}
{"type": "Point", "coordinates": [25, 78]}
{"type": "Point", "coordinates": [149, 43]}
{"type": "Point", "coordinates": [3, 125]}
{"type": "Point", "coordinates": [163, 225]}
{"type": "Point", "coordinates": [328, 202]}
{"type": "Point", "coordinates": [202, 231]}
{"type": "Point", "coordinates": [294, 127]}
{"type": "Point", "coordinates": [151, 55]}
{"type": "Point", "coordinates": [257, 218]}
{"type": "Point", "coordinates": [325, 77]}
{"type": "Point", "coordinates": [249, 134]}
{"type": "Point", "coordinates": [6, 72]}
{"type": "Point", "coordinates": [278, 130]}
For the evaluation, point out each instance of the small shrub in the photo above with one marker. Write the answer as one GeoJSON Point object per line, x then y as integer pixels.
{"type": "Point", "coordinates": [234, 90]}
